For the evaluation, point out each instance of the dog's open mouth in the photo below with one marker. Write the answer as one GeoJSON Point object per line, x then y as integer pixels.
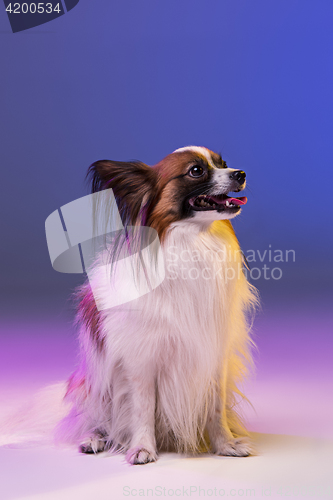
{"type": "Point", "coordinates": [219, 202]}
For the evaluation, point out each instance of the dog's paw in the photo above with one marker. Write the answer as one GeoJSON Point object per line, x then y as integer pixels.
{"type": "Point", "coordinates": [140, 456]}
{"type": "Point", "coordinates": [236, 447]}
{"type": "Point", "coordinates": [93, 445]}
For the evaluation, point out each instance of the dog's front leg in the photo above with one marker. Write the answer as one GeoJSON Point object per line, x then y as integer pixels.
{"type": "Point", "coordinates": [143, 442]}
{"type": "Point", "coordinates": [221, 438]}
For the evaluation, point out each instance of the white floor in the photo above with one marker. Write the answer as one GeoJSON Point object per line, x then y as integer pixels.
{"type": "Point", "coordinates": [286, 466]}
{"type": "Point", "coordinates": [292, 426]}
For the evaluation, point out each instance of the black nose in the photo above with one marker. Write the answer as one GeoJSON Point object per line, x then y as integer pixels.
{"type": "Point", "coordinates": [238, 175]}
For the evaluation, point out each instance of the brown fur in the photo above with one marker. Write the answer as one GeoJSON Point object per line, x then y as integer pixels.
{"type": "Point", "coordinates": [89, 316]}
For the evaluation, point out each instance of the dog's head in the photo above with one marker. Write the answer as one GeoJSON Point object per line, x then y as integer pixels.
{"type": "Point", "coordinates": [192, 183]}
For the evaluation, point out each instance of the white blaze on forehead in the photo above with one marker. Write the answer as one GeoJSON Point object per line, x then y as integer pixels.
{"type": "Point", "coordinates": [198, 149]}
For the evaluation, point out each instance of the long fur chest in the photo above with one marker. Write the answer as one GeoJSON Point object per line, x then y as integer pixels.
{"type": "Point", "coordinates": [187, 317]}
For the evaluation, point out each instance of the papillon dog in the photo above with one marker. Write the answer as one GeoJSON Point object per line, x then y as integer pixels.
{"type": "Point", "coordinates": [162, 373]}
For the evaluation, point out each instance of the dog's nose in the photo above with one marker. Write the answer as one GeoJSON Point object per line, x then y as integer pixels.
{"type": "Point", "coordinates": [238, 175]}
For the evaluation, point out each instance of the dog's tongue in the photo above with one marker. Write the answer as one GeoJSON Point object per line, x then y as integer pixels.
{"type": "Point", "coordinates": [238, 201]}
{"type": "Point", "coordinates": [235, 201]}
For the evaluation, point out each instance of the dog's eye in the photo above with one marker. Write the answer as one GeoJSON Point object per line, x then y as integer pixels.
{"type": "Point", "coordinates": [196, 171]}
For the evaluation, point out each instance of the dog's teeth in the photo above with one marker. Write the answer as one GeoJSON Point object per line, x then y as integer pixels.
{"type": "Point", "coordinates": [204, 202]}
{"type": "Point", "coordinates": [227, 203]}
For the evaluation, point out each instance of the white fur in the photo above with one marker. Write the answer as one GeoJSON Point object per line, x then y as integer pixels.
{"type": "Point", "coordinates": [221, 179]}
{"type": "Point", "coordinates": [207, 217]}
{"type": "Point", "coordinates": [198, 149]}
{"type": "Point", "coordinates": [171, 361]}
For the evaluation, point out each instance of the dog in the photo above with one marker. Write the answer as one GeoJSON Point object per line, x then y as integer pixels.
{"type": "Point", "coordinates": [163, 374]}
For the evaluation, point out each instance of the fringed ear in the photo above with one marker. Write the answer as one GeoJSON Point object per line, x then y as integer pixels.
{"type": "Point", "coordinates": [133, 185]}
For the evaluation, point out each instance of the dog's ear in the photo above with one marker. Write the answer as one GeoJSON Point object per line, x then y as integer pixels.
{"type": "Point", "coordinates": [133, 185]}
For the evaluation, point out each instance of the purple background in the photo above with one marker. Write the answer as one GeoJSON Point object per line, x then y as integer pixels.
{"type": "Point", "coordinates": [136, 80]}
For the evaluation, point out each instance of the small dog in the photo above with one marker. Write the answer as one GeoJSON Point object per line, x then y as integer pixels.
{"type": "Point", "coordinates": [163, 373]}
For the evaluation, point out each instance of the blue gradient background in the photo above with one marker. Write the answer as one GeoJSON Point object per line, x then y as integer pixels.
{"type": "Point", "coordinates": [135, 80]}
{"type": "Point", "coordinates": [252, 79]}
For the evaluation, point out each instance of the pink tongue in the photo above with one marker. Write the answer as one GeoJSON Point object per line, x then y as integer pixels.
{"type": "Point", "coordinates": [238, 201]}
{"type": "Point", "coordinates": [235, 201]}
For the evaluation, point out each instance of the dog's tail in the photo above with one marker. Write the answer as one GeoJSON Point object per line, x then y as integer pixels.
{"type": "Point", "coordinates": [34, 421]}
